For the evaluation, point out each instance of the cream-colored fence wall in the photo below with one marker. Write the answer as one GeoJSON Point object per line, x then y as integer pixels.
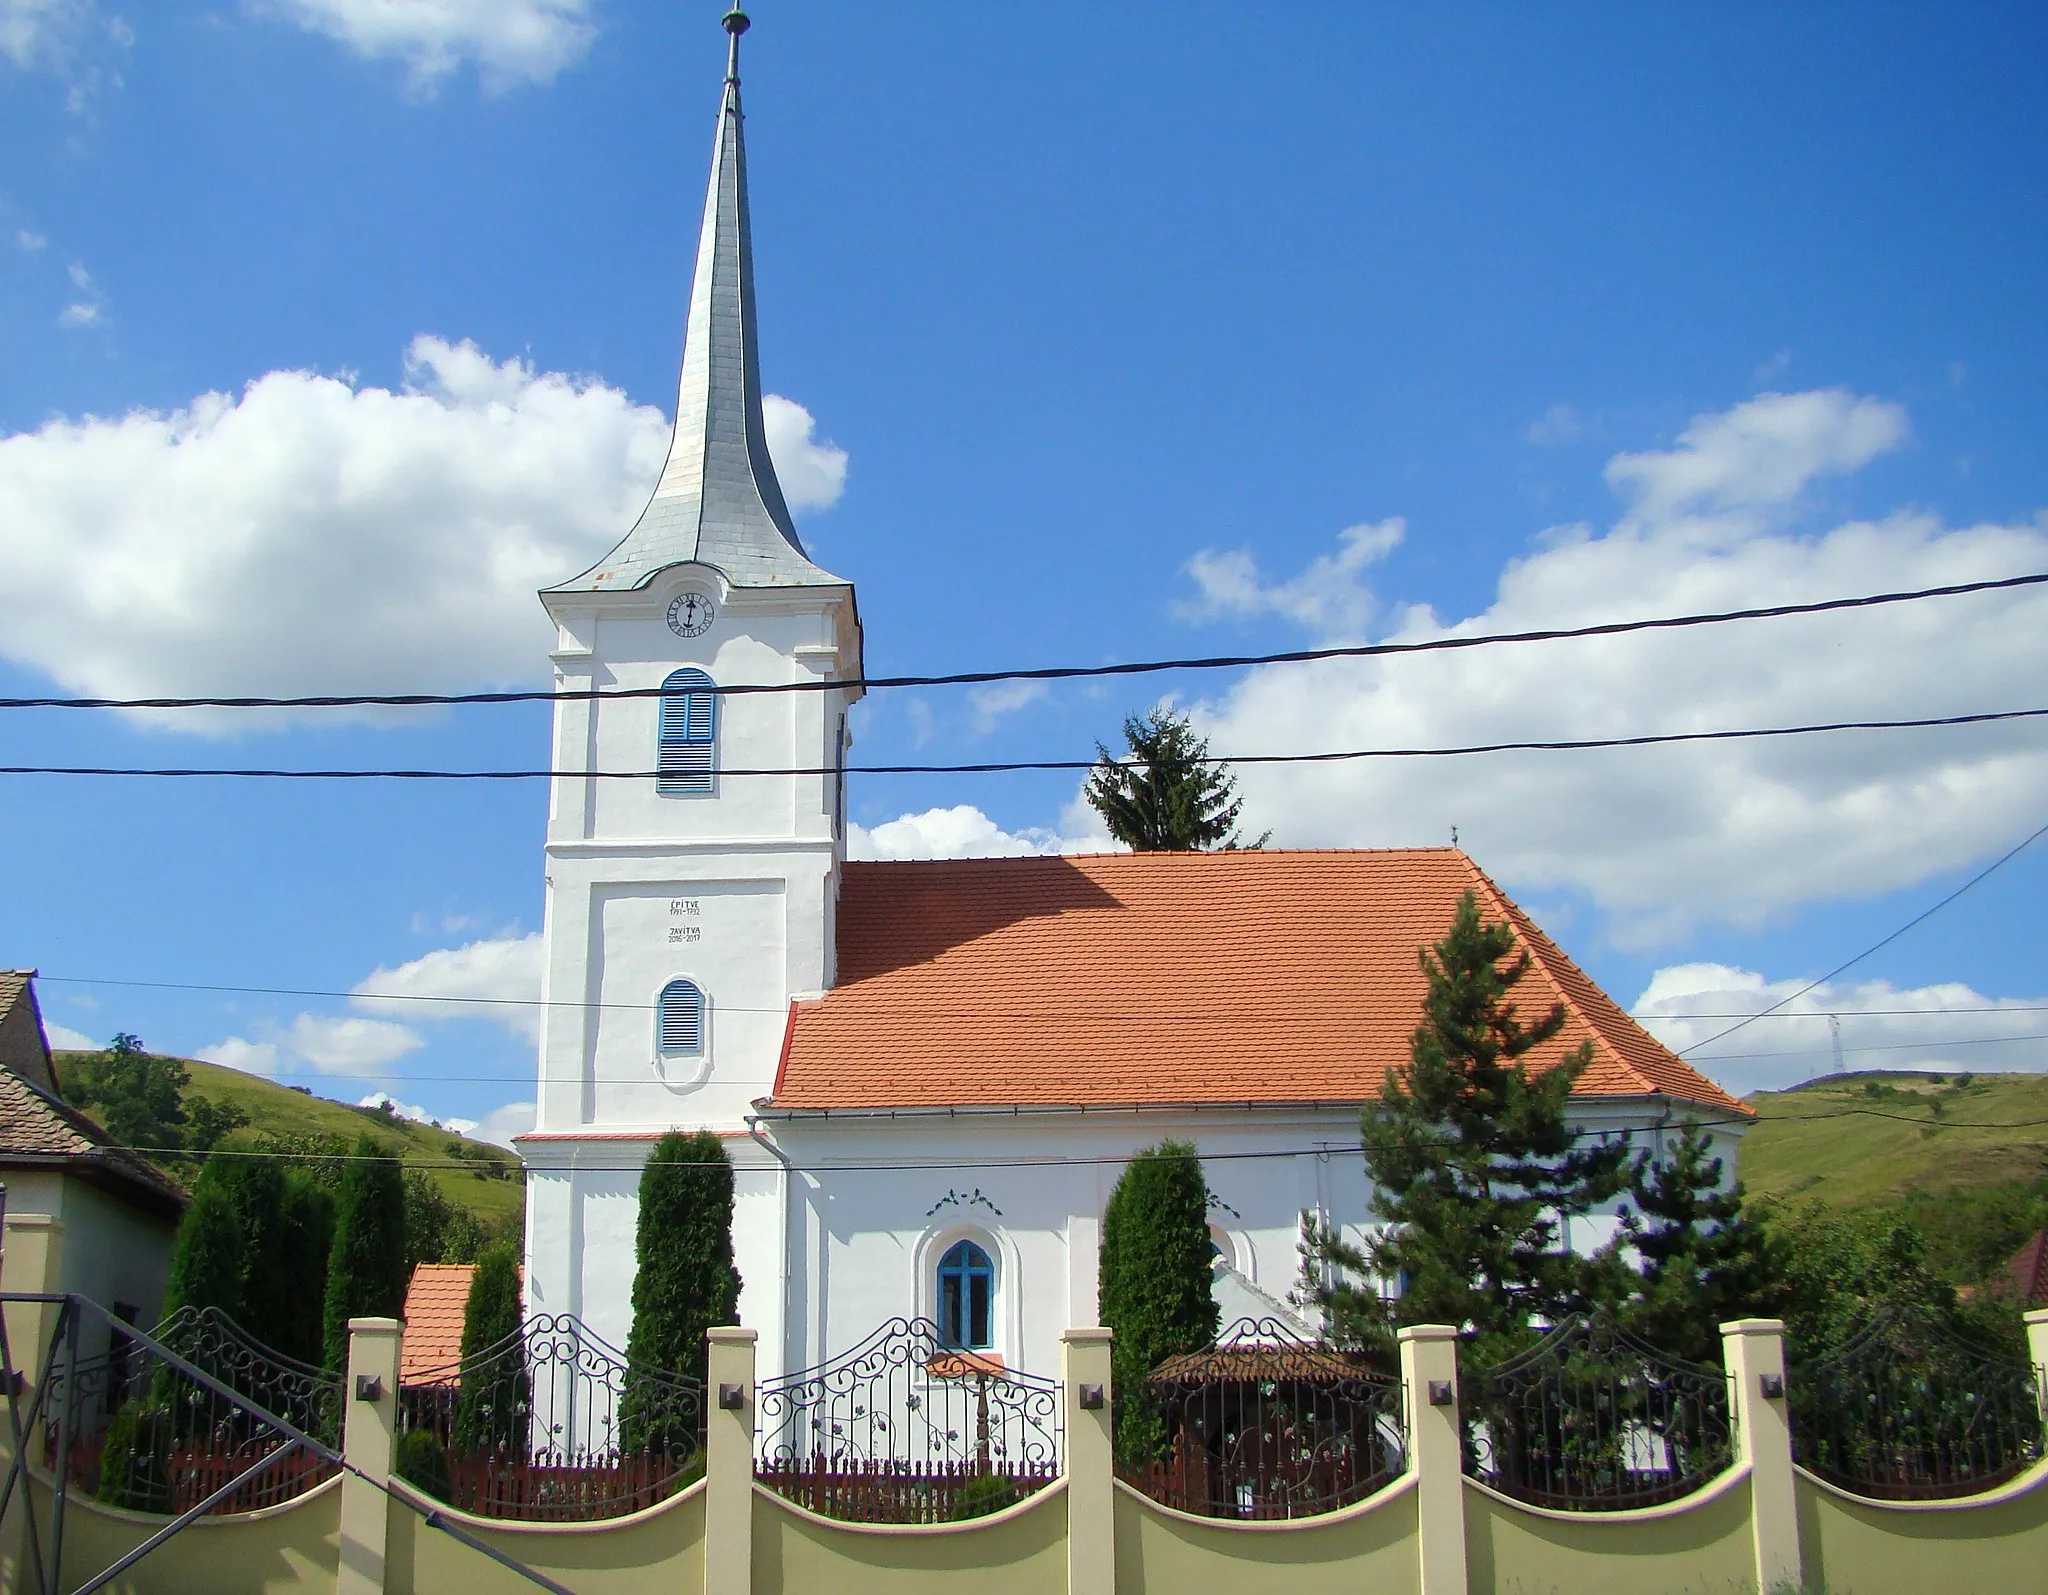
{"type": "Point", "coordinates": [1763, 1528]}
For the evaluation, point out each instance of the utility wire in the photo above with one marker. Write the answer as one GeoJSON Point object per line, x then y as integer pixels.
{"type": "Point", "coordinates": [1578, 745]}
{"type": "Point", "coordinates": [1877, 946]}
{"type": "Point", "coordinates": [405, 700]}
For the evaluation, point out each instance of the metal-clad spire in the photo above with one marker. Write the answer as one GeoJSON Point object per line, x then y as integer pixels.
{"type": "Point", "coordinates": [718, 501]}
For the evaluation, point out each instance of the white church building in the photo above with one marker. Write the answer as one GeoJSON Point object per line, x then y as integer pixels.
{"type": "Point", "coordinates": [927, 1074]}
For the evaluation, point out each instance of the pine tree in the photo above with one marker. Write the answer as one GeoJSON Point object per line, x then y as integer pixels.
{"type": "Point", "coordinates": [366, 1266]}
{"type": "Point", "coordinates": [1155, 1283]}
{"type": "Point", "coordinates": [1474, 1167]}
{"type": "Point", "coordinates": [1164, 797]}
{"type": "Point", "coordinates": [684, 1280]}
{"type": "Point", "coordinates": [492, 1411]}
{"type": "Point", "coordinates": [1702, 1260]}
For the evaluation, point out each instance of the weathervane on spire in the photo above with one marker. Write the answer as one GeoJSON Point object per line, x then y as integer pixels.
{"type": "Point", "coordinates": [736, 23]}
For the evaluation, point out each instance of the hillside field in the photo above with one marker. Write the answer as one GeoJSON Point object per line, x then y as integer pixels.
{"type": "Point", "coordinates": [286, 1110]}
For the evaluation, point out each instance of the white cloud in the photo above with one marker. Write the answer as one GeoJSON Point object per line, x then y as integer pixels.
{"type": "Point", "coordinates": [1329, 597]}
{"type": "Point", "coordinates": [80, 313]}
{"type": "Point", "coordinates": [500, 1125]}
{"type": "Point", "coordinates": [30, 243]}
{"type": "Point", "coordinates": [89, 308]}
{"type": "Point", "coordinates": [962, 831]}
{"type": "Point", "coordinates": [312, 536]}
{"type": "Point", "coordinates": [62, 1038]}
{"type": "Point", "coordinates": [505, 971]}
{"type": "Point", "coordinates": [1668, 837]}
{"type": "Point", "coordinates": [1558, 424]}
{"type": "Point", "coordinates": [1762, 453]}
{"type": "Point", "coordinates": [350, 1046]}
{"type": "Point", "coordinates": [251, 1057]}
{"type": "Point", "coordinates": [812, 470]}
{"type": "Point", "coordinates": [510, 41]}
{"type": "Point", "coordinates": [1947, 1028]}
{"type": "Point", "coordinates": [988, 705]}
{"type": "Point", "coordinates": [416, 1113]}
{"type": "Point", "coordinates": [70, 40]}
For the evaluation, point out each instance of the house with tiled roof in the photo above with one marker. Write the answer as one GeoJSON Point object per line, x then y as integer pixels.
{"type": "Point", "coordinates": [83, 1213]}
{"type": "Point", "coordinates": [929, 1075]}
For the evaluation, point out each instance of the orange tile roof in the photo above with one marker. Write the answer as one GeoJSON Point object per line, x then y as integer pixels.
{"type": "Point", "coordinates": [1159, 978]}
{"type": "Point", "coordinates": [435, 1302]}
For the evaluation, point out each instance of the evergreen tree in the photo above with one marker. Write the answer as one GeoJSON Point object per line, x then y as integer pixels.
{"type": "Point", "coordinates": [1474, 1167]}
{"type": "Point", "coordinates": [684, 1280]}
{"type": "Point", "coordinates": [1702, 1260]}
{"type": "Point", "coordinates": [1155, 1278]}
{"type": "Point", "coordinates": [366, 1266]}
{"type": "Point", "coordinates": [307, 1230]}
{"type": "Point", "coordinates": [209, 1254]}
{"type": "Point", "coordinates": [1163, 797]}
{"type": "Point", "coordinates": [491, 1412]}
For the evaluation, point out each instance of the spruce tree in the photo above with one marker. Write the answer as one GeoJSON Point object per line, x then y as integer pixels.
{"type": "Point", "coordinates": [1155, 1283]}
{"type": "Point", "coordinates": [684, 1280]}
{"type": "Point", "coordinates": [491, 1412]}
{"type": "Point", "coordinates": [1474, 1167]}
{"type": "Point", "coordinates": [1702, 1260]}
{"type": "Point", "coordinates": [366, 1266]}
{"type": "Point", "coordinates": [1163, 796]}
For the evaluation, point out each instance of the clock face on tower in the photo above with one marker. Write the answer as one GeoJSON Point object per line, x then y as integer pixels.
{"type": "Point", "coordinates": [689, 614]}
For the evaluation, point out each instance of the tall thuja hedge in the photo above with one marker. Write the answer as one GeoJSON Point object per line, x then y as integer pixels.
{"type": "Point", "coordinates": [1156, 1279]}
{"type": "Point", "coordinates": [209, 1253]}
{"type": "Point", "coordinates": [684, 1280]}
{"type": "Point", "coordinates": [287, 1230]}
{"type": "Point", "coordinates": [493, 1409]}
{"type": "Point", "coordinates": [366, 1264]}
{"type": "Point", "coordinates": [307, 1240]}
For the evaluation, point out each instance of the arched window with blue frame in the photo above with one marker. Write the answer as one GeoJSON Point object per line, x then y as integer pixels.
{"type": "Point", "coordinates": [967, 1297]}
{"type": "Point", "coordinates": [688, 761]}
{"type": "Point", "coordinates": [679, 1021]}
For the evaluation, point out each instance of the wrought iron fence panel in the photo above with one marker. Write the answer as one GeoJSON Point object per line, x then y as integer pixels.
{"type": "Point", "coordinates": [146, 1436]}
{"type": "Point", "coordinates": [1592, 1419]}
{"type": "Point", "coordinates": [1909, 1409]}
{"type": "Point", "coordinates": [906, 1429]}
{"type": "Point", "coordinates": [551, 1424]}
{"type": "Point", "coordinates": [1264, 1424]}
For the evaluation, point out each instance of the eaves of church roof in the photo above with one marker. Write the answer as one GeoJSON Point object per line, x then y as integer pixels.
{"type": "Point", "coordinates": [1141, 979]}
{"type": "Point", "coordinates": [718, 501]}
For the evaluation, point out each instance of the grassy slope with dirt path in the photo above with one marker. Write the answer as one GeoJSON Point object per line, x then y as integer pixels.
{"type": "Point", "coordinates": [1838, 1142]}
{"type": "Point", "coordinates": [286, 1111]}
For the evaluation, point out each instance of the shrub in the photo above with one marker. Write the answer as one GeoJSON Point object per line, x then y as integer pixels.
{"type": "Point", "coordinates": [983, 1494]}
{"type": "Point", "coordinates": [424, 1465]}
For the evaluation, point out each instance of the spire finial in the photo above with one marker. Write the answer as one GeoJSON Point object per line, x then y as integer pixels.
{"type": "Point", "coordinates": [735, 22]}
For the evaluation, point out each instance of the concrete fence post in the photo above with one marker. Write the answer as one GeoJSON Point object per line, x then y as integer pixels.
{"type": "Point", "coordinates": [1436, 1453]}
{"type": "Point", "coordinates": [31, 1263]}
{"type": "Point", "coordinates": [729, 1462]}
{"type": "Point", "coordinates": [2037, 1354]}
{"type": "Point", "coordinates": [1089, 1398]}
{"type": "Point", "coordinates": [1753, 1352]}
{"type": "Point", "coordinates": [369, 1440]}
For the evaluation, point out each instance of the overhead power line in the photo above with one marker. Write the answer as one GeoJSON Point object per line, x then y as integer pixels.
{"type": "Point", "coordinates": [1380, 650]}
{"type": "Point", "coordinates": [1007, 766]}
{"type": "Point", "coordinates": [1877, 946]}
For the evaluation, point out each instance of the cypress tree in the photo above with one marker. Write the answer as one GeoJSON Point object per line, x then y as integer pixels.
{"type": "Point", "coordinates": [1165, 796]}
{"type": "Point", "coordinates": [1155, 1279]}
{"type": "Point", "coordinates": [684, 1281]}
{"type": "Point", "coordinates": [1474, 1166]}
{"type": "Point", "coordinates": [366, 1265]}
{"type": "Point", "coordinates": [308, 1228]}
{"type": "Point", "coordinates": [491, 1412]}
{"type": "Point", "coordinates": [208, 1255]}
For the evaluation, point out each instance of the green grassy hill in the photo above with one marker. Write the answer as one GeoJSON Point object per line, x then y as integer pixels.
{"type": "Point", "coordinates": [492, 1189]}
{"type": "Point", "coordinates": [1964, 1158]}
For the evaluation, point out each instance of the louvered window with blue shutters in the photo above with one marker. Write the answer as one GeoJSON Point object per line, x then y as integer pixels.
{"type": "Point", "coordinates": [688, 764]}
{"type": "Point", "coordinates": [679, 1020]}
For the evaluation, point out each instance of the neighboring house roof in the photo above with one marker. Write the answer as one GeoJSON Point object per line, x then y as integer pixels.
{"type": "Point", "coordinates": [23, 1046]}
{"type": "Point", "coordinates": [2028, 1271]}
{"type": "Point", "coordinates": [1258, 977]}
{"type": "Point", "coordinates": [37, 1131]}
{"type": "Point", "coordinates": [436, 1301]}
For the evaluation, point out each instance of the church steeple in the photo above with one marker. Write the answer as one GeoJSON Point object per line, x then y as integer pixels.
{"type": "Point", "coordinates": [718, 501]}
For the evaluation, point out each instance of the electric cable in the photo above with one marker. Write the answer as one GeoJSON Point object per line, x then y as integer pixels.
{"type": "Point", "coordinates": [1577, 745]}
{"type": "Point", "coordinates": [1617, 628]}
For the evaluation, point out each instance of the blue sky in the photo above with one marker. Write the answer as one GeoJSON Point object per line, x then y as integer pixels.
{"type": "Point", "coordinates": [330, 330]}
